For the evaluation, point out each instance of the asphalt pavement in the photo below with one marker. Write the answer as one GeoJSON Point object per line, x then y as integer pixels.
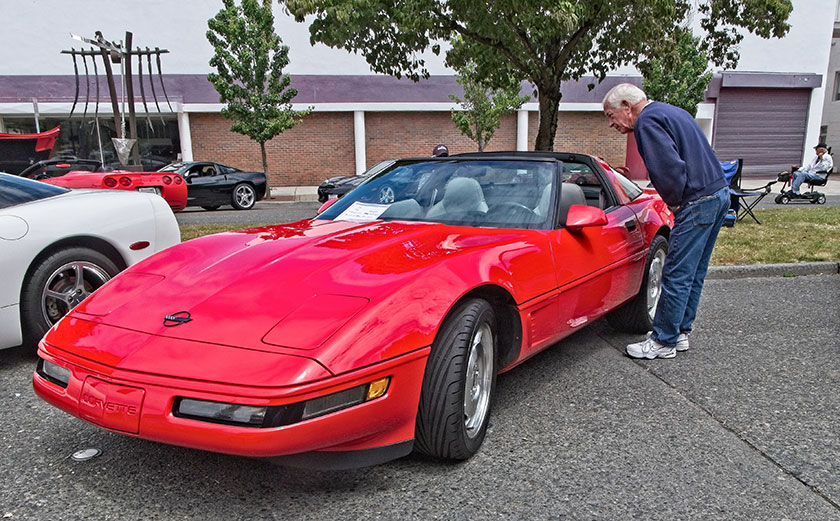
{"type": "Point", "coordinates": [743, 426]}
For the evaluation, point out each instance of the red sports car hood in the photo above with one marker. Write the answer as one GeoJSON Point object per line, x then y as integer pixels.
{"type": "Point", "coordinates": [289, 286]}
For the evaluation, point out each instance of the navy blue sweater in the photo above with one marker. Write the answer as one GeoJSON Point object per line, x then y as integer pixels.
{"type": "Point", "coordinates": [681, 164]}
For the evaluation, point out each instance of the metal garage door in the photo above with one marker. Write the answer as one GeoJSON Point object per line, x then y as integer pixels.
{"type": "Point", "coordinates": [765, 127]}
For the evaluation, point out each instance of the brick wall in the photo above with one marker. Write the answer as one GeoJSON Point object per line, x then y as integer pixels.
{"type": "Point", "coordinates": [584, 132]}
{"type": "Point", "coordinates": [318, 147]}
{"type": "Point", "coordinates": [415, 134]}
{"type": "Point", "coordinates": [322, 144]}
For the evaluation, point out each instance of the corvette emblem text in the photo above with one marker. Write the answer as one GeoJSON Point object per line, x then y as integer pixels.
{"type": "Point", "coordinates": [106, 406]}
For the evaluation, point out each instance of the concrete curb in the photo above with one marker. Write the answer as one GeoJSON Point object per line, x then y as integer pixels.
{"type": "Point", "coordinates": [792, 269]}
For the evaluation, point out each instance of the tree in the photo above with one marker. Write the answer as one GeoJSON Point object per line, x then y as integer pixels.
{"type": "Point", "coordinates": [483, 106]}
{"type": "Point", "coordinates": [680, 76]}
{"type": "Point", "coordinates": [249, 59]}
{"type": "Point", "coordinates": [545, 42]}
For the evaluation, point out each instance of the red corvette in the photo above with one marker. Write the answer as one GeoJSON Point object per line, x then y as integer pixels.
{"type": "Point", "coordinates": [372, 329]}
{"type": "Point", "coordinates": [169, 185]}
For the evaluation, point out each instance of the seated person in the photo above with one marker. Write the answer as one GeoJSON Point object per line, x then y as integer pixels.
{"type": "Point", "coordinates": [821, 163]}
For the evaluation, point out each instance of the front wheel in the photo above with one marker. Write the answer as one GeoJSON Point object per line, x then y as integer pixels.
{"type": "Point", "coordinates": [820, 199]}
{"type": "Point", "coordinates": [244, 196]}
{"type": "Point", "coordinates": [782, 199]}
{"type": "Point", "coordinates": [637, 315]}
{"type": "Point", "coordinates": [57, 284]}
{"type": "Point", "coordinates": [458, 384]}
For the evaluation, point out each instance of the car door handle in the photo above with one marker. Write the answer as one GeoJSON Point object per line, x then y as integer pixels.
{"type": "Point", "coordinates": [630, 225]}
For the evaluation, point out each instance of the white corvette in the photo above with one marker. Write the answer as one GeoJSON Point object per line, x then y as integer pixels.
{"type": "Point", "coordinates": [57, 246]}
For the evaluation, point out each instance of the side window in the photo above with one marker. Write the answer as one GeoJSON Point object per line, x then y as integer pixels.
{"type": "Point", "coordinates": [627, 186]}
{"type": "Point", "coordinates": [583, 176]}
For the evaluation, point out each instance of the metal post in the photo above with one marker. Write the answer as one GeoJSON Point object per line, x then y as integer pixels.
{"type": "Point", "coordinates": [129, 89]}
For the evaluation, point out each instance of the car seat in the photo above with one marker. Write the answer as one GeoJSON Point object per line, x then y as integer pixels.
{"type": "Point", "coordinates": [570, 194]}
{"type": "Point", "coordinates": [461, 194]}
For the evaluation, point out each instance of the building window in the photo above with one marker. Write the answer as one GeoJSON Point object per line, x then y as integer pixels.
{"type": "Point", "coordinates": [837, 86]}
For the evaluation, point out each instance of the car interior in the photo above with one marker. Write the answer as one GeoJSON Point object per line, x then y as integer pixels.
{"type": "Point", "coordinates": [504, 194]}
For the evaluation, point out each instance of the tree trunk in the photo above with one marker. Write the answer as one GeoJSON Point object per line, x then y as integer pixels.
{"type": "Point", "coordinates": [265, 169]}
{"type": "Point", "coordinates": [549, 107]}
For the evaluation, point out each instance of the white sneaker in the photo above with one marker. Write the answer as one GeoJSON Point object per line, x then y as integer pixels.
{"type": "Point", "coordinates": [682, 342]}
{"type": "Point", "coordinates": [650, 349]}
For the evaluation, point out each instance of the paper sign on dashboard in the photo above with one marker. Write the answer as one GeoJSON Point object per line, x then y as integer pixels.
{"type": "Point", "coordinates": [362, 212]}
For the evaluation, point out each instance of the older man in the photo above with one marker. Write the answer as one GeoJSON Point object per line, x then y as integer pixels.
{"type": "Point", "coordinates": [684, 170]}
{"type": "Point", "coordinates": [821, 164]}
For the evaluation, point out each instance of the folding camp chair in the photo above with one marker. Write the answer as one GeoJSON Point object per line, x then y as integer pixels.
{"type": "Point", "coordinates": [743, 200]}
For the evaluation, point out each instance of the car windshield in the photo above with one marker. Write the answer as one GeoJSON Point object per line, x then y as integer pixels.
{"type": "Point", "coordinates": [170, 168]}
{"type": "Point", "coordinates": [497, 193]}
{"type": "Point", "coordinates": [378, 167]}
{"type": "Point", "coordinates": [16, 190]}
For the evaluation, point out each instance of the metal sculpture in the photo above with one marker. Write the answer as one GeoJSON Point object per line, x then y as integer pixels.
{"type": "Point", "coordinates": [119, 53]}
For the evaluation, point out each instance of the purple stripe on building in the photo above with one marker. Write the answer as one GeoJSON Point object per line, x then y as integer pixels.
{"type": "Point", "coordinates": [194, 88]}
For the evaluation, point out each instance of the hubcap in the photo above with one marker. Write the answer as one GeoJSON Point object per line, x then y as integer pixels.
{"type": "Point", "coordinates": [68, 286]}
{"type": "Point", "coordinates": [654, 289]}
{"type": "Point", "coordinates": [479, 378]}
{"type": "Point", "coordinates": [244, 196]}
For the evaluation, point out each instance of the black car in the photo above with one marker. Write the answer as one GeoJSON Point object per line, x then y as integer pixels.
{"type": "Point", "coordinates": [57, 167]}
{"type": "Point", "coordinates": [210, 185]}
{"type": "Point", "coordinates": [340, 185]}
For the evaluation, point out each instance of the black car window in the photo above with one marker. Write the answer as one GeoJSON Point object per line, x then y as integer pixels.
{"type": "Point", "coordinates": [17, 190]}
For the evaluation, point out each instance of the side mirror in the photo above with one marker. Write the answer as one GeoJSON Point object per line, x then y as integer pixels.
{"type": "Point", "coordinates": [581, 216]}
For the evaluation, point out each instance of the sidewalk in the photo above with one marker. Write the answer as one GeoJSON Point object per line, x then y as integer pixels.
{"type": "Point", "coordinates": [285, 194]}
{"type": "Point", "coordinates": [832, 187]}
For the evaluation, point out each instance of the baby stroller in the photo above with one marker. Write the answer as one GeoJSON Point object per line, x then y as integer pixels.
{"type": "Point", "coordinates": [811, 196]}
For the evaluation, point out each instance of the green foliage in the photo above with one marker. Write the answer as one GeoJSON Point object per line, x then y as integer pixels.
{"type": "Point", "coordinates": [545, 42]}
{"type": "Point", "coordinates": [483, 106]}
{"type": "Point", "coordinates": [680, 76]}
{"type": "Point", "coordinates": [249, 59]}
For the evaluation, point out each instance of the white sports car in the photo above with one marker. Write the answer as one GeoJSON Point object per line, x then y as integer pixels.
{"type": "Point", "coordinates": [57, 246]}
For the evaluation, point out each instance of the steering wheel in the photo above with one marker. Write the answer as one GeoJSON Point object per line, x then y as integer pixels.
{"type": "Point", "coordinates": [514, 212]}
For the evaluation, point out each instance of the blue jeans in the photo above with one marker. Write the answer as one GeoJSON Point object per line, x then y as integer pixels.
{"type": "Point", "coordinates": [696, 228]}
{"type": "Point", "coordinates": [801, 177]}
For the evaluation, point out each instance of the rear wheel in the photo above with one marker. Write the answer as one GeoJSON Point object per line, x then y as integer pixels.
{"type": "Point", "coordinates": [57, 285]}
{"type": "Point", "coordinates": [244, 196]}
{"type": "Point", "coordinates": [637, 315]}
{"type": "Point", "coordinates": [458, 384]}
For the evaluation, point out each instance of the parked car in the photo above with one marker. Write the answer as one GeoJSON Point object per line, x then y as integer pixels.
{"type": "Point", "coordinates": [211, 185]}
{"type": "Point", "coordinates": [59, 166]}
{"type": "Point", "coordinates": [338, 186]}
{"type": "Point", "coordinates": [171, 187]}
{"type": "Point", "coordinates": [59, 245]}
{"type": "Point", "coordinates": [372, 329]}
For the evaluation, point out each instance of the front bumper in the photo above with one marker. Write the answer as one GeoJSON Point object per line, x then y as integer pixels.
{"type": "Point", "coordinates": [141, 405]}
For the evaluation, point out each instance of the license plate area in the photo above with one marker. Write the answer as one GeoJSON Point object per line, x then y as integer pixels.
{"type": "Point", "coordinates": [111, 406]}
{"type": "Point", "coordinates": [149, 189]}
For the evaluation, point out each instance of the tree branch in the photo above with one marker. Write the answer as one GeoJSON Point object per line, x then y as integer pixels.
{"type": "Point", "coordinates": [455, 26]}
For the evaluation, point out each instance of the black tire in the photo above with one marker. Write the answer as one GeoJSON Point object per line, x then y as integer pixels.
{"type": "Point", "coordinates": [783, 199]}
{"type": "Point", "coordinates": [59, 273]}
{"type": "Point", "coordinates": [211, 207]}
{"type": "Point", "coordinates": [464, 350]}
{"type": "Point", "coordinates": [820, 199]}
{"type": "Point", "coordinates": [636, 316]}
{"type": "Point", "coordinates": [244, 197]}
